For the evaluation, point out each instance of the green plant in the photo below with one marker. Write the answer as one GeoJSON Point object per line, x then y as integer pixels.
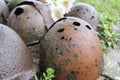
{"type": "Point", "coordinates": [109, 38]}
{"type": "Point", "coordinates": [48, 75]}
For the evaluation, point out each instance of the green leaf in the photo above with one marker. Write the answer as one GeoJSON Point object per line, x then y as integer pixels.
{"type": "Point", "coordinates": [109, 44]}
{"type": "Point", "coordinates": [50, 71]}
{"type": "Point", "coordinates": [48, 75]}
{"type": "Point", "coordinates": [36, 77]}
{"type": "Point", "coordinates": [111, 27]}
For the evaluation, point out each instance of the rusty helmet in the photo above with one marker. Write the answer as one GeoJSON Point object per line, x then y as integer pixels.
{"type": "Point", "coordinates": [73, 49]}
{"type": "Point", "coordinates": [31, 20]}
{"type": "Point", "coordinates": [15, 59]}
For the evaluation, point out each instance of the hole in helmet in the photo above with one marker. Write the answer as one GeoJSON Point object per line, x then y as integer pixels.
{"type": "Point", "coordinates": [75, 28]}
{"type": "Point", "coordinates": [60, 30]}
{"type": "Point", "coordinates": [76, 23]}
{"type": "Point", "coordinates": [72, 72]}
{"type": "Point", "coordinates": [92, 16]}
{"type": "Point", "coordinates": [70, 38]}
{"type": "Point", "coordinates": [62, 37]}
{"type": "Point", "coordinates": [88, 27]}
{"type": "Point", "coordinates": [18, 11]}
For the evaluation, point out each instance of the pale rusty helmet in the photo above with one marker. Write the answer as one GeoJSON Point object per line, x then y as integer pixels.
{"type": "Point", "coordinates": [31, 20]}
{"type": "Point", "coordinates": [15, 59]}
{"type": "Point", "coordinates": [72, 48]}
{"type": "Point", "coordinates": [4, 12]}
{"type": "Point", "coordinates": [86, 12]}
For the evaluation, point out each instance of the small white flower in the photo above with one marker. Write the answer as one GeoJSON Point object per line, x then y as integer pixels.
{"type": "Point", "coordinates": [67, 4]}
{"type": "Point", "coordinates": [48, 3]}
{"type": "Point", "coordinates": [57, 12]}
{"type": "Point", "coordinates": [58, 7]}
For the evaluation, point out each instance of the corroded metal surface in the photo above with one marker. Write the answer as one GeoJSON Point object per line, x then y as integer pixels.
{"type": "Point", "coordinates": [15, 59]}
{"type": "Point", "coordinates": [72, 48]}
